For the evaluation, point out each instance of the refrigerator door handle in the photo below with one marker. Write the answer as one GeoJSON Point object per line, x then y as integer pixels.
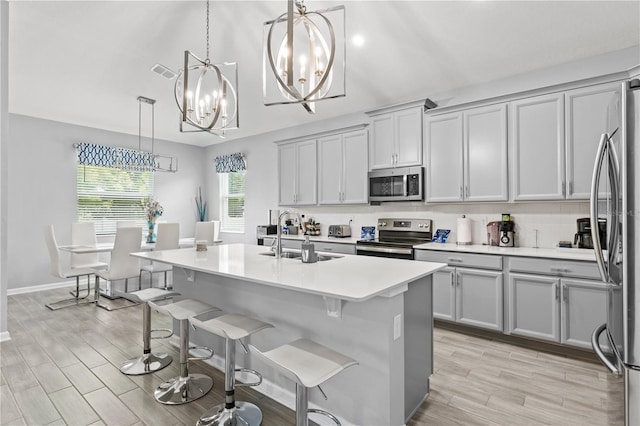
{"type": "Point", "coordinates": [604, 358]}
{"type": "Point", "coordinates": [595, 184]}
{"type": "Point", "coordinates": [614, 176]}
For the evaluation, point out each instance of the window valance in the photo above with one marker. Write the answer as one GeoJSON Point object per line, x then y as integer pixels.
{"type": "Point", "coordinates": [230, 163]}
{"type": "Point", "coordinates": [90, 154]}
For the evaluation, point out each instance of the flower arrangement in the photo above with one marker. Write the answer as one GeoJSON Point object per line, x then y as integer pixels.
{"type": "Point", "coordinates": [153, 210]}
{"type": "Point", "coordinates": [201, 205]}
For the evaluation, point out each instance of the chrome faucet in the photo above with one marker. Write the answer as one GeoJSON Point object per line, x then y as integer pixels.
{"type": "Point", "coordinates": [278, 250]}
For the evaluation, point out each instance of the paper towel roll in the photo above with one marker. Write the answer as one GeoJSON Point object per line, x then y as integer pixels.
{"type": "Point", "coordinates": [464, 231]}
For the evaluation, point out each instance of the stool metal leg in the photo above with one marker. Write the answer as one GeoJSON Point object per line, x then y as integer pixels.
{"type": "Point", "coordinates": [187, 387]}
{"type": "Point", "coordinates": [232, 412]}
{"type": "Point", "coordinates": [147, 362]}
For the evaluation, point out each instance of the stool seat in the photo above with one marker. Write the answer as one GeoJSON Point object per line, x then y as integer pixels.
{"type": "Point", "coordinates": [187, 387]}
{"type": "Point", "coordinates": [307, 362]}
{"type": "Point", "coordinates": [231, 326]}
{"type": "Point", "coordinates": [148, 362]}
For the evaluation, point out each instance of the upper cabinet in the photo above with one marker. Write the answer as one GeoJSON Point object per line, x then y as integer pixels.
{"type": "Point", "coordinates": [297, 175]}
{"type": "Point", "coordinates": [554, 139]}
{"type": "Point", "coordinates": [342, 168]}
{"type": "Point", "coordinates": [586, 118]}
{"type": "Point", "coordinates": [396, 139]}
{"type": "Point", "coordinates": [466, 155]}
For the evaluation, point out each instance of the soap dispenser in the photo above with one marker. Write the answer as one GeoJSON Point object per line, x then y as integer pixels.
{"type": "Point", "coordinates": [308, 251]}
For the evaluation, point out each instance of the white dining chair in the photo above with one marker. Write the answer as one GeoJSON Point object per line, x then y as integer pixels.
{"type": "Point", "coordinates": [122, 265]}
{"type": "Point", "coordinates": [168, 239]}
{"type": "Point", "coordinates": [126, 224]}
{"type": "Point", "coordinates": [56, 270]}
{"type": "Point", "coordinates": [84, 234]}
{"type": "Point", "coordinates": [205, 231]}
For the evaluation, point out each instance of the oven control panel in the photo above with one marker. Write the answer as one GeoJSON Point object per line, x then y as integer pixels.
{"type": "Point", "coordinates": [422, 225]}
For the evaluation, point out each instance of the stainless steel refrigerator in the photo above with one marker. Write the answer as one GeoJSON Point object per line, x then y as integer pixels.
{"type": "Point", "coordinates": [615, 196]}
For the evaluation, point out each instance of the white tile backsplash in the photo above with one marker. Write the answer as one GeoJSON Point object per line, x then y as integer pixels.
{"type": "Point", "coordinates": [551, 221]}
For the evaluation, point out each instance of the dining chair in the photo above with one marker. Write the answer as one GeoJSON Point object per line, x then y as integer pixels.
{"type": "Point", "coordinates": [126, 224]}
{"type": "Point", "coordinates": [168, 239]}
{"type": "Point", "coordinates": [84, 234]}
{"type": "Point", "coordinates": [205, 231]}
{"type": "Point", "coordinates": [56, 270]}
{"type": "Point", "coordinates": [122, 266]}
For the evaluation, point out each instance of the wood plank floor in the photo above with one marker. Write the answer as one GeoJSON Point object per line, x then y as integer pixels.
{"type": "Point", "coordinates": [61, 367]}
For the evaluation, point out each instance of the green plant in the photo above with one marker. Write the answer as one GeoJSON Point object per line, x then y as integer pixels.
{"type": "Point", "coordinates": [201, 206]}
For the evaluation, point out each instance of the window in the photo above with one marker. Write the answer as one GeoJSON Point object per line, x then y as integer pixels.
{"type": "Point", "coordinates": [107, 195]}
{"type": "Point", "coordinates": [232, 201]}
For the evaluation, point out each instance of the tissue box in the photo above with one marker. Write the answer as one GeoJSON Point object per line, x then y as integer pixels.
{"type": "Point", "coordinates": [368, 233]}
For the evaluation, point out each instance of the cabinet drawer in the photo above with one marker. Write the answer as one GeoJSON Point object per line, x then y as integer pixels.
{"type": "Point", "coordinates": [334, 247]}
{"type": "Point", "coordinates": [484, 261]}
{"type": "Point", "coordinates": [559, 267]}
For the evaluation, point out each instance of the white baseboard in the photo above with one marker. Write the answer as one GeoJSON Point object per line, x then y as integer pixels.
{"type": "Point", "coordinates": [4, 336]}
{"type": "Point", "coordinates": [34, 288]}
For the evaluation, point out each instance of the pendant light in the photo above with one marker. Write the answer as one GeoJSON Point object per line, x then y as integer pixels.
{"type": "Point", "coordinates": [207, 93]}
{"type": "Point", "coordinates": [304, 56]}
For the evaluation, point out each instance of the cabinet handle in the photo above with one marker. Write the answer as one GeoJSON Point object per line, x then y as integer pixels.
{"type": "Point", "coordinates": [560, 270]}
{"type": "Point", "coordinates": [326, 249]}
{"type": "Point", "coordinates": [563, 188]}
{"type": "Point", "coordinates": [453, 281]}
{"type": "Point", "coordinates": [454, 259]}
{"type": "Point", "coordinates": [461, 193]}
{"type": "Point", "coordinates": [557, 291]}
{"type": "Point", "coordinates": [570, 187]}
{"type": "Point", "coordinates": [458, 279]}
{"type": "Point", "coordinates": [466, 191]}
{"type": "Point", "coordinates": [565, 298]}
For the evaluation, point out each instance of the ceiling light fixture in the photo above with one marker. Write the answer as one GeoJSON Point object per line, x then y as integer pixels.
{"type": "Point", "coordinates": [304, 56]}
{"type": "Point", "coordinates": [207, 94]}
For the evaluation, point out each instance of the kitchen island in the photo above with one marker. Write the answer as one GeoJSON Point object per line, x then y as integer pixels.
{"type": "Point", "coordinates": [375, 310]}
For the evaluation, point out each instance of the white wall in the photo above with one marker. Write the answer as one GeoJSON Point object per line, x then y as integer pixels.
{"type": "Point", "coordinates": [42, 189]}
{"type": "Point", "coordinates": [4, 142]}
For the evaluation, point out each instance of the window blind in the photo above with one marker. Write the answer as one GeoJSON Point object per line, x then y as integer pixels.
{"type": "Point", "coordinates": [232, 201]}
{"type": "Point", "coordinates": [106, 195]}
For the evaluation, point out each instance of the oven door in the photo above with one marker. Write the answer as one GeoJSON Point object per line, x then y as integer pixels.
{"type": "Point", "coordinates": [378, 250]}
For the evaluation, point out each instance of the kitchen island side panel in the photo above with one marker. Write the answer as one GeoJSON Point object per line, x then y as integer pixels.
{"type": "Point", "coordinates": [391, 374]}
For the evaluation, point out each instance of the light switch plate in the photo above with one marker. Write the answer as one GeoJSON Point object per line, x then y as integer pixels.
{"type": "Point", "coordinates": [397, 327]}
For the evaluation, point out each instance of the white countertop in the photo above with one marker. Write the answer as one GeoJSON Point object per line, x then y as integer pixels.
{"type": "Point", "coordinates": [349, 277]}
{"type": "Point", "coordinates": [551, 253]}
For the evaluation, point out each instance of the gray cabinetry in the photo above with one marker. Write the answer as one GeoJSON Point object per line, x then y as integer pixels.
{"type": "Point", "coordinates": [297, 173]}
{"type": "Point", "coordinates": [466, 155]}
{"type": "Point", "coordinates": [396, 139]}
{"type": "Point", "coordinates": [467, 295]}
{"type": "Point", "coordinates": [320, 246]}
{"type": "Point", "coordinates": [342, 168]}
{"type": "Point", "coordinates": [548, 300]}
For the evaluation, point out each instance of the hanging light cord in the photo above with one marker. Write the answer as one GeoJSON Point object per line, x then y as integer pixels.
{"type": "Point", "coordinates": [207, 30]}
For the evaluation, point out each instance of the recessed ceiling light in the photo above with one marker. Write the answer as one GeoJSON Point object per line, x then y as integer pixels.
{"type": "Point", "coordinates": [357, 40]}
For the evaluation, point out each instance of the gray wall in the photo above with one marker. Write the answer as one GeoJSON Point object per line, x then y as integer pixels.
{"type": "Point", "coordinates": [42, 190]}
{"type": "Point", "coordinates": [4, 141]}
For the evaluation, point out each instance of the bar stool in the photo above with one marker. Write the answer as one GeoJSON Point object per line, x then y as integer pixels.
{"type": "Point", "coordinates": [308, 364]}
{"type": "Point", "coordinates": [186, 387]}
{"type": "Point", "coordinates": [147, 362]}
{"type": "Point", "coordinates": [232, 327]}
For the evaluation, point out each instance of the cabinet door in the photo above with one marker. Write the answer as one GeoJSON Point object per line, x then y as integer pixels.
{"type": "Point", "coordinates": [306, 173]}
{"type": "Point", "coordinates": [408, 137]}
{"type": "Point", "coordinates": [330, 170]}
{"type": "Point", "coordinates": [444, 158]}
{"type": "Point", "coordinates": [479, 298]}
{"type": "Point", "coordinates": [444, 294]}
{"type": "Point", "coordinates": [586, 113]}
{"type": "Point", "coordinates": [485, 154]}
{"type": "Point", "coordinates": [382, 151]}
{"type": "Point", "coordinates": [534, 306]}
{"type": "Point", "coordinates": [537, 138]}
{"type": "Point", "coordinates": [355, 164]}
{"type": "Point", "coordinates": [287, 174]}
{"type": "Point", "coordinates": [584, 307]}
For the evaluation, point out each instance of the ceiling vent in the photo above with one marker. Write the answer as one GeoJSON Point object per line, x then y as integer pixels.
{"type": "Point", "coordinates": [164, 71]}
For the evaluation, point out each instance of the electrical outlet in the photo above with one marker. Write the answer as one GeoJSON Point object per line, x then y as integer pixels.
{"type": "Point", "coordinates": [397, 327]}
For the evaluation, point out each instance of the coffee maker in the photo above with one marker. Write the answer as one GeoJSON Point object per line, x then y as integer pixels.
{"type": "Point", "coordinates": [583, 237]}
{"type": "Point", "coordinates": [507, 231]}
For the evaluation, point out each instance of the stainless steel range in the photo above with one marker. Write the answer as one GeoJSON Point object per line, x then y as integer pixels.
{"type": "Point", "coordinates": [396, 238]}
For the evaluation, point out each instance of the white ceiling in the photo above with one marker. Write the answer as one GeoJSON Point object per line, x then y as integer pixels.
{"type": "Point", "coordinates": [86, 62]}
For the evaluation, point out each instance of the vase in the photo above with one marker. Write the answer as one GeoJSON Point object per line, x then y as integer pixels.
{"type": "Point", "coordinates": [151, 234]}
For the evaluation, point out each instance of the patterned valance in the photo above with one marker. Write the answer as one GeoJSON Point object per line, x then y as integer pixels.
{"type": "Point", "coordinates": [109, 156]}
{"type": "Point", "coordinates": [230, 163]}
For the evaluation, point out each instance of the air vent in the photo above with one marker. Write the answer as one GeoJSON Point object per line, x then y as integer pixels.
{"type": "Point", "coordinates": [164, 71]}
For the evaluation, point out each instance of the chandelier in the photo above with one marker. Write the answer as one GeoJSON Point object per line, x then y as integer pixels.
{"type": "Point", "coordinates": [207, 93]}
{"type": "Point", "coordinates": [304, 56]}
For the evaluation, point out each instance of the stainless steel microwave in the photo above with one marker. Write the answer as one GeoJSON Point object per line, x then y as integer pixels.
{"type": "Point", "coordinates": [397, 184]}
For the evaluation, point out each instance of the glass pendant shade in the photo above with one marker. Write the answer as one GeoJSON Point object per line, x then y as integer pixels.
{"type": "Point", "coordinates": [206, 95]}
{"type": "Point", "coordinates": [304, 56]}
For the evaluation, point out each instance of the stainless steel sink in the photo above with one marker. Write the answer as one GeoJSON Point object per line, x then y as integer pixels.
{"type": "Point", "coordinates": [298, 255]}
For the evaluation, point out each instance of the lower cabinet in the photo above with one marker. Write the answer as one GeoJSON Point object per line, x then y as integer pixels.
{"type": "Point", "coordinates": [556, 309]}
{"type": "Point", "coordinates": [319, 246]}
{"type": "Point", "coordinates": [469, 296]}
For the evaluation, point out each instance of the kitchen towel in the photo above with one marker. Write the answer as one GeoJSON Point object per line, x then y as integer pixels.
{"type": "Point", "coordinates": [464, 231]}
